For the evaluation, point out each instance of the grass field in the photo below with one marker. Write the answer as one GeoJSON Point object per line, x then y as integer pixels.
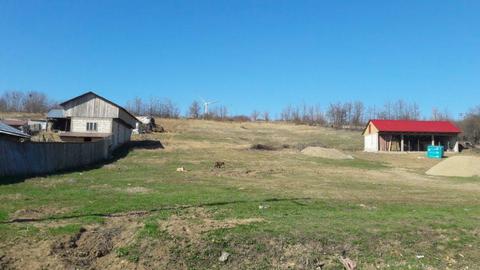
{"type": "Point", "coordinates": [275, 209]}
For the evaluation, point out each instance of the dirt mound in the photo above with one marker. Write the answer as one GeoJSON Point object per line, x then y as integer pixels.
{"type": "Point", "coordinates": [322, 152]}
{"type": "Point", "coordinates": [462, 166]}
{"type": "Point", "coordinates": [85, 246]}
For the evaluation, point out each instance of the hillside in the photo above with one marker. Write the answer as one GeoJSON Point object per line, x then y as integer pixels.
{"type": "Point", "coordinates": [269, 206]}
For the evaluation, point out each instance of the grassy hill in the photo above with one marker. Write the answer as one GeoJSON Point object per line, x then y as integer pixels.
{"type": "Point", "coordinates": [268, 209]}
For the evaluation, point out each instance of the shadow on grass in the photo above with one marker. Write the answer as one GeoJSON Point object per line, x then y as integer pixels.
{"type": "Point", "coordinates": [117, 154]}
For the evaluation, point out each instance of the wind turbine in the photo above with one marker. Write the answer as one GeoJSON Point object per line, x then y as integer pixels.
{"type": "Point", "coordinates": [205, 106]}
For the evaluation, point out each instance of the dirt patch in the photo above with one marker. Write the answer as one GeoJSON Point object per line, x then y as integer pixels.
{"type": "Point", "coordinates": [28, 254]}
{"type": "Point", "coordinates": [91, 248]}
{"type": "Point", "coordinates": [322, 152]}
{"type": "Point", "coordinates": [263, 147]}
{"type": "Point", "coordinates": [13, 197]}
{"type": "Point", "coordinates": [37, 213]}
{"type": "Point", "coordinates": [461, 166]}
{"type": "Point", "coordinates": [84, 247]}
{"type": "Point", "coordinates": [134, 190]}
{"type": "Point", "coordinates": [194, 222]}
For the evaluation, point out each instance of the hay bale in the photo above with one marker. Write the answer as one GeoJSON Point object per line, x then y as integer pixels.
{"type": "Point", "coordinates": [460, 166]}
{"type": "Point", "coordinates": [322, 152]}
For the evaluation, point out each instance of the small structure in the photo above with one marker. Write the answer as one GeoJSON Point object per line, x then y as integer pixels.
{"type": "Point", "coordinates": [21, 125]}
{"type": "Point", "coordinates": [410, 135]}
{"type": "Point", "coordinates": [37, 125]}
{"type": "Point", "coordinates": [145, 124]}
{"type": "Point", "coordinates": [90, 117]}
{"type": "Point", "coordinates": [12, 134]}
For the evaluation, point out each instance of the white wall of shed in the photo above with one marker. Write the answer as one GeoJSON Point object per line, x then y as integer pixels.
{"type": "Point", "coordinates": [371, 142]}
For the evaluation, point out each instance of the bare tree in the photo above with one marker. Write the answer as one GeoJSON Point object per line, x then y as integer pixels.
{"type": "Point", "coordinates": [136, 106]}
{"type": "Point", "coordinates": [223, 112]}
{"type": "Point", "coordinates": [358, 114]}
{"type": "Point", "coordinates": [470, 125]}
{"type": "Point", "coordinates": [35, 102]}
{"type": "Point", "coordinates": [286, 114]}
{"type": "Point", "coordinates": [254, 115]}
{"type": "Point", "coordinates": [194, 111]}
{"type": "Point", "coordinates": [337, 115]}
{"type": "Point", "coordinates": [3, 105]}
{"type": "Point", "coordinates": [154, 107]}
{"type": "Point", "coordinates": [266, 116]}
{"type": "Point", "coordinates": [168, 109]}
{"type": "Point", "coordinates": [13, 100]}
{"type": "Point", "coordinates": [438, 115]}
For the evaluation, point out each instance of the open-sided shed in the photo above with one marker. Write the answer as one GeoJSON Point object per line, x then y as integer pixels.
{"type": "Point", "coordinates": [410, 135]}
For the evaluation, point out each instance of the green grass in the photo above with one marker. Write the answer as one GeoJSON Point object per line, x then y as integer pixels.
{"type": "Point", "coordinates": [315, 208]}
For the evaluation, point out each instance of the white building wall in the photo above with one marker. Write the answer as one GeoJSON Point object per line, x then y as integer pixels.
{"type": "Point", "coordinates": [79, 124]}
{"type": "Point", "coordinates": [371, 142]}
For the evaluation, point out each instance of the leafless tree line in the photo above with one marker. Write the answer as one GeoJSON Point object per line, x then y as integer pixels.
{"type": "Point", "coordinates": [164, 108]}
{"type": "Point", "coordinates": [308, 114]}
{"type": "Point", "coordinates": [470, 125]}
{"type": "Point", "coordinates": [354, 114]}
{"type": "Point", "coordinates": [196, 111]}
{"type": "Point", "coordinates": [31, 102]}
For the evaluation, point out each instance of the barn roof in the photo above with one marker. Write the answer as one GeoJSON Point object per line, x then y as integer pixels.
{"type": "Point", "coordinates": [100, 97]}
{"type": "Point", "coordinates": [415, 126]}
{"type": "Point", "coordinates": [6, 129]}
{"type": "Point", "coordinates": [56, 113]}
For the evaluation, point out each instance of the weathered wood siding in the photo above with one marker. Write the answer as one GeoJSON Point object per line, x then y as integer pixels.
{"type": "Point", "coordinates": [121, 133]}
{"type": "Point", "coordinates": [90, 106]}
{"type": "Point", "coordinates": [127, 118]}
{"type": "Point", "coordinates": [22, 159]}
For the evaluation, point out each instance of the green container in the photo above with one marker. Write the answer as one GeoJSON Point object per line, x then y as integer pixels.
{"type": "Point", "coordinates": [435, 151]}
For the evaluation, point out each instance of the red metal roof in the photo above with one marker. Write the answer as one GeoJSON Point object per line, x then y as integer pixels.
{"type": "Point", "coordinates": [415, 126]}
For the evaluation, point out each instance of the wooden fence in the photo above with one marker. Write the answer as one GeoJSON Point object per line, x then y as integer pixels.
{"type": "Point", "coordinates": [30, 158]}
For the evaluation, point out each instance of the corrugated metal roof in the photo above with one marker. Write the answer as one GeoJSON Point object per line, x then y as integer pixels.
{"type": "Point", "coordinates": [56, 113]}
{"type": "Point", "coordinates": [416, 126]}
{"type": "Point", "coordinates": [6, 129]}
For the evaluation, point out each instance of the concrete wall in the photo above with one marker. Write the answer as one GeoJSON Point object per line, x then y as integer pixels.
{"type": "Point", "coordinates": [31, 158]}
{"type": "Point", "coordinates": [79, 124]}
{"type": "Point", "coordinates": [371, 142]}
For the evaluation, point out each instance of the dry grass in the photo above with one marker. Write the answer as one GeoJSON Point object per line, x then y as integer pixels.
{"type": "Point", "coordinates": [269, 209]}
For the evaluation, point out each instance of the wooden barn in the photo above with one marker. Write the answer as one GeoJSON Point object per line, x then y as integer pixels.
{"type": "Point", "coordinates": [90, 117]}
{"type": "Point", "coordinates": [410, 135]}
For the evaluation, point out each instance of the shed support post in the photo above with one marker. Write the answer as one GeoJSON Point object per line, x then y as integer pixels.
{"type": "Point", "coordinates": [433, 140]}
{"type": "Point", "coordinates": [402, 143]}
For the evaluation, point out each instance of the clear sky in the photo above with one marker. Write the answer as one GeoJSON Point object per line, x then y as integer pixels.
{"type": "Point", "coordinates": [249, 55]}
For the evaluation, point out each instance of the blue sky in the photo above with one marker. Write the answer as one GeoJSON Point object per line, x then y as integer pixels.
{"type": "Point", "coordinates": [247, 54]}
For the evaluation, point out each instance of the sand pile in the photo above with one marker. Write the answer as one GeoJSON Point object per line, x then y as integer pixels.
{"type": "Point", "coordinates": [463, 166]}
{"type": "Point", "coordinates": [329, 153]}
